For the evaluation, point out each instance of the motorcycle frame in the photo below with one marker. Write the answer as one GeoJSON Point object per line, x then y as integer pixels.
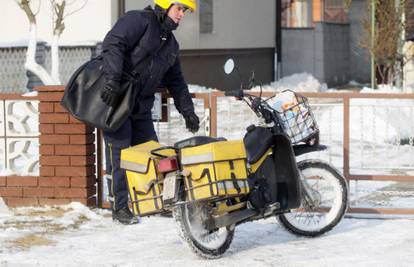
{"type": "Point", "coordinates": [272, 123]}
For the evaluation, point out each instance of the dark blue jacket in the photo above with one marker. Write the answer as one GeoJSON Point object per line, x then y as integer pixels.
{"type": "Point", "coordinates": [128, 47]}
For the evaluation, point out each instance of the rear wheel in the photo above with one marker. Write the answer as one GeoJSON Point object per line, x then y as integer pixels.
{"type": "Point", "coordinates": [324, 200]}
{"type": "Point", "coordinates": [192, 219]}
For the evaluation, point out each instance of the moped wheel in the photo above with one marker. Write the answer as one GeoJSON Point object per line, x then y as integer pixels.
{"type": "Point", "coordinates": [324, 200]}
{"type": "Point", "coordinates": [191, 219]}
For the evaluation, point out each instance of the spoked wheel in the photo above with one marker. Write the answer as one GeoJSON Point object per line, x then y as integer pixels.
{"type": "Point", "coordinates": [324, 200]}
{"type": "Point", "coordinates": [192, 218]}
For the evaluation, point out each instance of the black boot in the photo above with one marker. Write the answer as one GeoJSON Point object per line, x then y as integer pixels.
{"type": "Point", "coordinates": [124, 216]}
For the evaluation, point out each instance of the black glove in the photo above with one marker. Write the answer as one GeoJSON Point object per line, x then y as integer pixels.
{"type": "Point", "coordinates": [192, 122]}
{"type": "Point", "coordinates": [111, 93]}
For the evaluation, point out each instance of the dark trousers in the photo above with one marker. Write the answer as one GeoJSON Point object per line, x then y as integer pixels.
{"type": "Point", "coordinates": [131, 133]}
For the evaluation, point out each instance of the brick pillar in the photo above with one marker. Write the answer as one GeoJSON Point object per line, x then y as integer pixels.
{"type": "Point", "coordinates": [67, 153]}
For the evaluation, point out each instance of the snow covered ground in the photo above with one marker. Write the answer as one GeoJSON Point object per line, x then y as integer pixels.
{"type": "Point", "coordinates": [73, 235]}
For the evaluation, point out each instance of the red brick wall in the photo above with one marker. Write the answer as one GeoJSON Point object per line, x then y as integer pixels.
{"type": "Point", "coordinates": [67, 159]}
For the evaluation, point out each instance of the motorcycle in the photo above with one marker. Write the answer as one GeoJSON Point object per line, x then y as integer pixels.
{"type": "Point", "coordinates": [211, 185]}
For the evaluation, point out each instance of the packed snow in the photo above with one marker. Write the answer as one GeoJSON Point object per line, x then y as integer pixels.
{"type": "Point", "coordinates": [74, 235]}
{"type": "Point", "coordinates": [300, 82]}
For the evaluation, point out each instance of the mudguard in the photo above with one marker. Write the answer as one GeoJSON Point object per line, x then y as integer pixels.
{"type": "Point", "coordinates": [287, 173]}
{"type": "Point", "coordinates": [277, 179]}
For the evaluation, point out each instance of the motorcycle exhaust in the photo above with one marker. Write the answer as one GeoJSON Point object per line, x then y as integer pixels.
{"type": "Point", "coordinates": [238, 216]}
{"type": "Point", "coordinates": [229, 219]}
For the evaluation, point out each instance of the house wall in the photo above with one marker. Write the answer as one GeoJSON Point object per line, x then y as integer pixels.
{"type": "Point", "coordinates": [89, 24]}
{"type": "Point", "coordinates": [322, 51]}
{"type": "Point", "coordinates": [205, 67]}
{"type": "Point", "coordinates": [329, 51]}
{"type": "Point", "coordinates": [251, 29]}
{"type": "Point", "coordinates": [247, 35]}
{"type": "Point", "coordinates": [336, 58]}
{"type": "Point", "coordinates": [298, 52]}
{"type": "Point", "coordinates": [359, 60]}
{"type": "Point", "coordinates": [251, 24]}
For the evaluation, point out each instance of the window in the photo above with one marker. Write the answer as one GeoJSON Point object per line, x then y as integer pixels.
{"type": "Point", "coordinates": [297, 13]}
{"type": "Point", "coordinates": [206, 16]}
{"type": "Point", "coordinates": [303, 13]}
{"type": "Point", "coordinates": [334, 11]}
{"type": "Point", "coordinates": [334, 3]}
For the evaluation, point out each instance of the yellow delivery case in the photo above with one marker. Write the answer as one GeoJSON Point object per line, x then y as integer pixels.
{"type": "Point", "coordinates": [145, 185]}
{"type": "Point", "coordinates": [215, 170]}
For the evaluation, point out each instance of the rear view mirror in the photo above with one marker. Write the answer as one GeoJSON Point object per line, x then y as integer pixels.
{"type": "Point", "coordinates": [229, 66]}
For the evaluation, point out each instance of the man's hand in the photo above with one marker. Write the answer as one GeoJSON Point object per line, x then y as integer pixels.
{"type": "Point", "coordinates": [192, 122]}
{"type": "Point", "coordinates": [111, 93]}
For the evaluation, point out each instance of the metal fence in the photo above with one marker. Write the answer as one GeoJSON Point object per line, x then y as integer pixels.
{"type": "Point", "coordinates": [13, 75]}
{"type": "Point", "coordinates": [370, 139]}
{"type": "Point", "coordinates": [174, 129]}
{"type": "Point", "coordinates": [70, 58]}
{"type": "Point", "coordinates": [363, 134]}
{"type": "Point", "coordinates": [372, 134]}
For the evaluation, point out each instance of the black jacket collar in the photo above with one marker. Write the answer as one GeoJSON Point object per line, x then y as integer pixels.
{"type": "Point", "coordinates": [166, 23]}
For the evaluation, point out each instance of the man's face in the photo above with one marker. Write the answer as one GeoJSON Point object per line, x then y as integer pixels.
{"type": "Point", "coordinates": [177, 12]}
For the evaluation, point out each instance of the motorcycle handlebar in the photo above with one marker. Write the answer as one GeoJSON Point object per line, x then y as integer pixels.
{"type": "Point", "coordinates": [235, 93]}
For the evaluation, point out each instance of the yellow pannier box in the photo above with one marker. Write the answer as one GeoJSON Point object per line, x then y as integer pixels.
{"type": "Point", "coordinates": [215, 170]}
{"type": "Point", "coordinates": [145, 185]}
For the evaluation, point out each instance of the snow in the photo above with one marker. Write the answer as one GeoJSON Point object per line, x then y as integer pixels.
{"type": "Point", "coordinates": [31, 94]}
{"type": "Point", "coordinates": [382, 88]}
{"type": "Point", "coordinates": [18, 43]}
{"type": "Point", "coordinates": [78, 236]}
{"type": "Point", "coordinates": [300, 82]}
{"type": "Point", "coordinates": [193, 88]}
{"type": "Point", "coordinates": [354, 83]}
{"type": "Point", "coordinates": [4, 211]}
{"type": "Point", "coordinates": [78, 43]}
{"type": "Point", "coordinates": [25, 42]}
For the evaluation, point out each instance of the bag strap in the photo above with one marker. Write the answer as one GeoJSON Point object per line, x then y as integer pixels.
{"type": "Point", "coordinates": [138, 68]}
{"type": "Point", "coordinates": [147, 188]}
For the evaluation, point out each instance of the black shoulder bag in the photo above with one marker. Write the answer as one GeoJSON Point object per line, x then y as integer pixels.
{"type": "Point", "coordinates": [82, 96]}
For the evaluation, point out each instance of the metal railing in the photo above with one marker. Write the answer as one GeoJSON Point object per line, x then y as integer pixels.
{"type": "Point", "coordinates": [13, 75]}
{"type": "Point", "coordinates": [354, 151]}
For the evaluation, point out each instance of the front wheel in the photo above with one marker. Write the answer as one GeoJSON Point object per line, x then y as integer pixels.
{"type": "Point", "coordinates": [192, 218]}
{"type": "Point", "coordinates": [324, 200]}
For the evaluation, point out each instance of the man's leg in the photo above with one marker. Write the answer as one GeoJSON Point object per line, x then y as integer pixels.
{"type": "Point", "coordinates": [114, 143]}
{"type": "Point", "coordinates": [143, 131]}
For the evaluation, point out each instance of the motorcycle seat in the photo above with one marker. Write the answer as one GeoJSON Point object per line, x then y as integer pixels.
{"type": "Point", "coordinates": [197, 141]}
